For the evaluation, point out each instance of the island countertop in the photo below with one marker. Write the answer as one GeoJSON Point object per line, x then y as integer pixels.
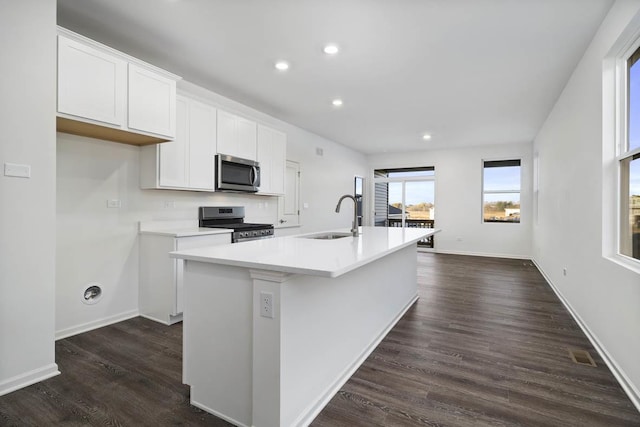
{"type": "Point", "coordinates": [316, 257]}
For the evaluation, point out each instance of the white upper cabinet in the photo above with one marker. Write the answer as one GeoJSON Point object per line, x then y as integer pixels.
{"type": "Point", "coordinates": [173, 168]}
{"type": "Point", "coordinates": [187, 162]}
{"type": "Point", "coordinates": [236, 136]}
{"type": "Point", "coordinates": [106, 94]}
{"type": "Point", "coordinates": [271, 154]}
{"type": "Point", "coordinates": [152, 102]}
{"type": "Point", "coordinates": [91, 83]}
{"type": "Point", "coordinates": [202, 145]}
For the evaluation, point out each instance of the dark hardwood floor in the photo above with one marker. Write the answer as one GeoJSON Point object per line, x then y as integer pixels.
{"type": "Point", "coordinates": [487, 343]}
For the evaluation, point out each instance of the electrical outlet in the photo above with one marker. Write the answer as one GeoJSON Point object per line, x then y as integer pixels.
{"type": "Point", "coordinates": [169, 204]}
{"type": "Point", "coordinates": [114, 203]}
{"type": "Point", "coordinates": [266, 304]}
{"type": "Point", "coordinates": [564, 271]}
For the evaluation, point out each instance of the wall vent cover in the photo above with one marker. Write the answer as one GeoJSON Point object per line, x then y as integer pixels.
{"type": "Point", "coordinates": [92, 293]}
{"type": "Point", "coordinates": [582, 357]}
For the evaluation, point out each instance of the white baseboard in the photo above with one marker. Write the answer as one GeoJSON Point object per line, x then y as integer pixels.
{"type": "Point", "coordinates": [217, 414]}
{"type": "Point", "coordinates": [85, 327]}
{"type": "Point", "coordinates": [490, 255]}
{"type": "Point", "coordinates": [28, 378]}
{"type": "Point", "coordinates": [632, 392]}
{"type": "Point", "coordinates": [172, 319]}
{"type": "Point", "coordinates": [309, 414]}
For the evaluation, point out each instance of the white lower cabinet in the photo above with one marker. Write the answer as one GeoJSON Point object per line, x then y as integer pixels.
{"type": "Point", "coordinates": [161, 277]}
{"type": "Point", "coordinates": [185, 163]}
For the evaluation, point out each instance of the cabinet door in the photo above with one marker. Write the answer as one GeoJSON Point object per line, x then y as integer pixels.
{"type": "Point", "coordinates": [91, 84]}
{"type": "Point", "coordinates": [226, 133]}
{"type": "Point", "coordinates": [271, 152]}
{"type": "Point", "coordinates": [174, 155]}
{"type": "Point", "coordinates": [278, 161]}
{"type": "Point", "coordinates": [247, 137]}
{"type": "Point", "coordinates": [264, 157]}
{"type": "Point", "coordinates": [202, 145]}
{"type": "Point", "coordinates": [236, 136]}
{"type": "Point", "coordinates": [152, 102]}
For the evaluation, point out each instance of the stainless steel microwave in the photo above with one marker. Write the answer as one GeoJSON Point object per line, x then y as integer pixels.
{"type": "Point", "coordinates": [236, 174]}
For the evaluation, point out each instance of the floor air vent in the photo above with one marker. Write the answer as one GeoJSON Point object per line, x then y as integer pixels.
{"type": "Point", "coordinates": [582, 357]}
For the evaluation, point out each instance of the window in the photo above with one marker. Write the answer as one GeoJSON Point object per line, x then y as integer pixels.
{"type": "Point", "coordinates": [629, 162]}
{"type": "Point", "coordinates": [358, 182]}
{"type": "Point", "coordinates": [501, 191]}
{"type": "Point", "coordinates": [405, 198]}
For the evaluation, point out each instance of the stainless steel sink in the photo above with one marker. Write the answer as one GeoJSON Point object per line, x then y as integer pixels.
{"type": "Point", "coordinates": [327, 236]}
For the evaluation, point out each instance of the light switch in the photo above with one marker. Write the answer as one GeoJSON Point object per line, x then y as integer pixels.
{"type": "Point", "coordinates": [20, 171]}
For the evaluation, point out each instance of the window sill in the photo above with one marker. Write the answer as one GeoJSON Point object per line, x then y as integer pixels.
{"type": "Point", "coordinates": [626, 262]}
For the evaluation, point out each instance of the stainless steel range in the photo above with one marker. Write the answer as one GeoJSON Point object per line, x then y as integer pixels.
{"type": "Point", "coordinates": [233, 217]}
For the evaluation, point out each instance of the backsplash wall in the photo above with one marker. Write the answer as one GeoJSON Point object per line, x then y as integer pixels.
{"type": "Point", "coordinates": [97, 244]}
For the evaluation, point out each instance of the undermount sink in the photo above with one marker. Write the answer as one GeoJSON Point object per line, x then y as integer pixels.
{"type": "Point", "coordinates": [327, 236]}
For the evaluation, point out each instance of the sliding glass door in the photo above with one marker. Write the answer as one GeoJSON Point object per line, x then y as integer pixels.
{"type": "Point", "coordinates": [405, 198]}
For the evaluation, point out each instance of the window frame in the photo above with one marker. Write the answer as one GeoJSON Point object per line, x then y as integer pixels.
{"type": "Point", "coordinates": [403, 180]}
{"type": "Point", "coordinates": [483, 191]}
{"type": "Point", "coordinates": [622, 146]}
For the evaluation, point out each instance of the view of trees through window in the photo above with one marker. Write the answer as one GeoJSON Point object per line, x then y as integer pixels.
{"type": "Point", "coordinates": [501, 191]}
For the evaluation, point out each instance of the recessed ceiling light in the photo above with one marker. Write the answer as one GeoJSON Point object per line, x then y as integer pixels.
{"type": "Point", "coordinates": [337, 102]}
{"type": "Point", "coordinates": [282, 65]}
{"type": "Point", "coordinates": [331, 49]}
{"type": "Point", "coordinates": [426, 137]}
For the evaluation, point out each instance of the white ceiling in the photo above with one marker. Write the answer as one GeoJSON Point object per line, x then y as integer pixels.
{"type": "Point", "coordinates": [470, 72]}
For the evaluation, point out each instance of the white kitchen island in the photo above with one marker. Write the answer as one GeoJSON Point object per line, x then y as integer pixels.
{"type": "Point", "coordinates": [332, 302]}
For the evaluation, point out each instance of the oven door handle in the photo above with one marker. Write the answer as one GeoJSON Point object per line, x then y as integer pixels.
{"type": "Point", "coordinates": [254, 175]}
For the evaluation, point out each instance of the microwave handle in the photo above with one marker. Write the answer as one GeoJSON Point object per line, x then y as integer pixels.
{"type": "Point", "coordinates": [254, 175]}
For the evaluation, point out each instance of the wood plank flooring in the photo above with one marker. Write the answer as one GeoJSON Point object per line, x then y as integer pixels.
{"type": "Point", "coordinates": [486, 344]}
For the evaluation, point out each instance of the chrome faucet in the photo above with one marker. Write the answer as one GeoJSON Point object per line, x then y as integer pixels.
{"type": "Point", "coordinates": [354, 226]}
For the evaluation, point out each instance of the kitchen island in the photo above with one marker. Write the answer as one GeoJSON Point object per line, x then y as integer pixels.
{"type": "Point", "coordinates": [273, 328]}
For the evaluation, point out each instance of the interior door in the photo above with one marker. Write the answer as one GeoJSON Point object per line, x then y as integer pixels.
{"type": "Point", "coordinates": [289, 204]}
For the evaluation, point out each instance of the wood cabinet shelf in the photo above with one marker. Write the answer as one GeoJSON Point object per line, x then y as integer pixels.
{"type": "Point", "coordinates": [92, 130]}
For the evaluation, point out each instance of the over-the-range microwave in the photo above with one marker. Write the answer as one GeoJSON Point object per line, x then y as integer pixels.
{"type": "Point", "coordinates": [236, 174]}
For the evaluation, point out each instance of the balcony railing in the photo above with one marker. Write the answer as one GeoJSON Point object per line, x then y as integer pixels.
{"type": "Point", "coordinates": [415, 223]}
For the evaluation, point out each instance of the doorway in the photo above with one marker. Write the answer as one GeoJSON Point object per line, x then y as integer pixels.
{"type": "Point", "coordinates": [405, 198]}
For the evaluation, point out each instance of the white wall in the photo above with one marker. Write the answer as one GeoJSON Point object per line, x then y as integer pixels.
{"type": "Point", "coordinates": [458, 199]}
{"type": "Point", "coordinates": [602, 294]}
{"type": "Point", "coordinates": [27, 209]}
{"type": "Point", "coordinates": [98, 244]}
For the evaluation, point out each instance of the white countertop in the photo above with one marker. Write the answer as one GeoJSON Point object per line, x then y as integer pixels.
{"type": "Point", "coordinates": [178, 228]}
{"type": "Point", "coordinates": [299, 255]}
